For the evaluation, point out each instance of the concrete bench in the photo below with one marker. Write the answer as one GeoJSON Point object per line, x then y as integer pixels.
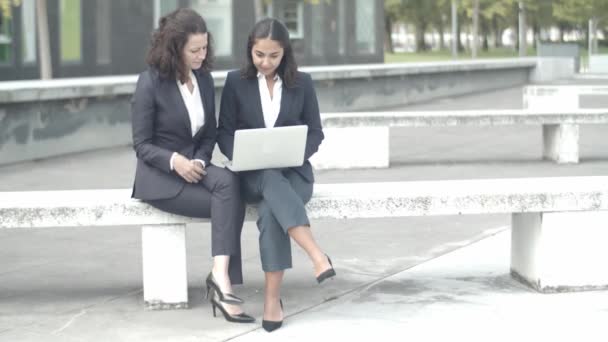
{"type": "Point", "coordinates": [561, 98]}
{"type": "Point", "coordinates": [598, 64]}
{"type": "Point", "coordinates": [344, 148]}
{"type": "Point", "coordinates": [558, 224]}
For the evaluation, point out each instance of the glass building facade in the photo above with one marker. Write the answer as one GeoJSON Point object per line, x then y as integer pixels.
{"type": "Point", "coordinates": [111, 37]}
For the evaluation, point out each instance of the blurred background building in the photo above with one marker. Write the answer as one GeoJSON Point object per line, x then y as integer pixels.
{"type": "Point", "coordinates": [111, 37]}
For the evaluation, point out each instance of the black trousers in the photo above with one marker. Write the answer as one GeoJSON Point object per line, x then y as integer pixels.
{"type": "Point", "coordinates": [216, 196]}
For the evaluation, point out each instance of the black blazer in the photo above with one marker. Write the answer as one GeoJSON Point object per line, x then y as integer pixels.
{"type": "Point", "coordinates": [161, 126]}
{"type": "Point", "coordinates": [241, 108]}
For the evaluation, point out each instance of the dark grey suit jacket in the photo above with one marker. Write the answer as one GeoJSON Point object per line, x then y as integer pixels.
{"type": "Point", "coordinates": [161, 126]}
{"type": "Point", "coordinates": [241, 108]}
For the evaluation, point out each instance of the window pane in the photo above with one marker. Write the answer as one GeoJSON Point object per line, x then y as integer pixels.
{"type": "Point", "coordinates": [342, 27]}
{"type": "Point", "coordinates": [317, 29]}
{"type": "Point", "coordinates": [218, 16]}
{"type": "Point", "coordinates": [28, 29]}
{"type": "Point", "coordinates": [366, 23]}
{"type": "Point", "coordinates": [267, 9]}
{"type": "Point", "coordinates": [6, 39]}
{"type": "Point", "coordinates": [70, 30]}
{"type": "Point", "coordinates": [162, 7]}
{"type": "Point", "coordinates": [103, 28]}
{"type": "Point", "coordinates": [291, 14]}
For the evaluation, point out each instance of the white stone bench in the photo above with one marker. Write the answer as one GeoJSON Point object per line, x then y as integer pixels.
{"type": "Point", "coordinates": [560, 98]}
{"type": "Point", "coordinates": [344, 148]}
{"type": "Point", "coordinates": [558, 224]}
{"type": "Point", "coordinates": [598, 64]}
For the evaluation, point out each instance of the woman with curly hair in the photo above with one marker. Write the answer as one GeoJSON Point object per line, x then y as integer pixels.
{"type": "Point", "coordinates": [174, 133]}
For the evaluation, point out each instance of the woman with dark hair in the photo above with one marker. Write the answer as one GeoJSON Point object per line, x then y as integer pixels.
{"type": "Point", "coordinates": [270, 92]}
{"type": "Point", "coordinates": [174, 132]}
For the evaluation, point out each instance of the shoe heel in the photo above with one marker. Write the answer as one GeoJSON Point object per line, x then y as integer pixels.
{"type": "Point", "coordinates": [240, 318]}
{"type": "Point", "coordinates": [207, 293]}
{"type": "Point", "coordinates": [227, 298]}
{"type": "Point", "coordinates": [327, 274]}
{"type": "Point", "coordinates": [271, 326]}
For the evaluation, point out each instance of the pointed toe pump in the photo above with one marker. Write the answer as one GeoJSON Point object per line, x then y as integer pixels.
{"type": "Point", "coordinates": [238, 318]}
{"type": "Point", "coordinates": [227, 298]}
{"type": "Point", "coordinates": [271, 326]}
{"type": "Point", "coordinates": [327, 273]}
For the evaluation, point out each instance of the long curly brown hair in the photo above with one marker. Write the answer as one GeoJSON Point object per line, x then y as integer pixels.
{"type": "Point", "coordinates": [168, 42]}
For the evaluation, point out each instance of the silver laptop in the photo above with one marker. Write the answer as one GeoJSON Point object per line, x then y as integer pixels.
{"type": "Point", "coordinates": [268, 148]}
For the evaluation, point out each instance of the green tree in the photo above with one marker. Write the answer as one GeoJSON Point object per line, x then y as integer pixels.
{"type": "Point", "coordinates": [420, 13]}
{"type": "Point", "coordinates": [5, 8]}
{"type": "Point", "coordinates": [576, 13]}
{"type": "Point", "coordinates": [442, 20]}
{"type": "Point", "coordinates": [392, 14]}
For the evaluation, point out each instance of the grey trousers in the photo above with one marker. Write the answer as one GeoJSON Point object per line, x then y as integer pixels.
{"type": "Point", "coordinates": [216, 196]}
{"type": "Point", "coordinates": [281, 195]}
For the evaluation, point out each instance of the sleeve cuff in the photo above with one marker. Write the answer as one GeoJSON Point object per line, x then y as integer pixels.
{"type": "Point", "coordinates": [202, 162]}
{"type": "Point", "coordinates": [171, 160]}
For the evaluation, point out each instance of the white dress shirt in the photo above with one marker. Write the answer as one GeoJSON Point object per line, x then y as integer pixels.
{"type": "Point", "coordinates": [194, 106]}
{"type": "Point", "coordinates": [270, 106]}
{"type": "Point", "coordinates": [194, 103]}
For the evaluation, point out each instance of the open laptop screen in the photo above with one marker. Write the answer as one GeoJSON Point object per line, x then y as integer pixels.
{"type": "Point", "coordinates": [268, 148]}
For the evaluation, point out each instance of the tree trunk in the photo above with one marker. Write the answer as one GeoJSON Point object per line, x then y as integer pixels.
{"type": "Point", "coordinates": [458, 41]}
{"type": "Point", "coordinates": [475, 42]}
{"type": "Point", "coordinates": [497, 33]}
{"type": "Point", "coordinates": [388, 36]}
{"type": "Point", "coordinates": [420, 30]}
{"type": "Point", "coordinates": [454, 29]}
{"type": "Point", "coordinates": [535, 34]}
{"type": "Point", "coordinates": [483, 25]}
{"type": "Point", "coordinates": [44, 48]}
{"type": "Point", "coordinates": [561, 32]}
{"type": "Point", "coordinates": [441, 29]}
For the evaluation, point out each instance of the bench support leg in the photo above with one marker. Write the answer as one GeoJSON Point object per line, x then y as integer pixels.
{"type": "Point", "coordinates": [353, 147]}
{"type": "Point", "coordinates": [559, 252]}
{"type": "Point", "coordinates": [164, 266]}
{"type": "Point", "coordinates": [561, 143]}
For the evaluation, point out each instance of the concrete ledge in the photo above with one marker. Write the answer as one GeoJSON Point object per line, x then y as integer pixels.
{"type": "Point", "coordinates": [165, 275]}
{"type": "Point", "coordinates": [550, 69]}
{"type": "Point", "coordinates": [488, 117]}
{"type": "Point", "coordinates": [598, 64]}
{"type": "Point", "coordinates": [560, 252]}
{"type": "Point", "coordinates": [40, 119]}
{"type": "Point", "coordinates": [343, 131]}
{"type": "Point", "coordinates": [76, 208]}
{"type": "Point", "coordinates": [343, 147]}
{"type": "Point", "coordinates": [67, 88]}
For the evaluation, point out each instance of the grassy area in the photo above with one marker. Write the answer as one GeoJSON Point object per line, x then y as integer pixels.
{"type": "Point", "coordinates": [446, 55]}
{"type": "Point", "coordinates": [70, 30]}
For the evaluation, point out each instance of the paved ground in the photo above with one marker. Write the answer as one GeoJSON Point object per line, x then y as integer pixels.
{"type": "Point", "coordinates": [413, 278]}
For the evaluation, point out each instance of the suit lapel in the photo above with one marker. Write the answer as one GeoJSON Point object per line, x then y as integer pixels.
{"type": "Point", "coordinates": [286, 102]}
{"type": "Point", "coordinates": [178, 101]}
{"type": "Point", "coordinates": [256, 98]}
{"type": "Point", "coordinates": [205, 94]}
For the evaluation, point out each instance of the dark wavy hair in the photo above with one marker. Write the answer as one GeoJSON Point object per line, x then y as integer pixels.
{"type": "Point", "coordinates": [169, 39]}
{"type": "Point", "coordinates": [275, 30]}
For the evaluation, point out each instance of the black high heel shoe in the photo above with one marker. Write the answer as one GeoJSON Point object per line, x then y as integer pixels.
{"type": "Point", "coordinates": [327, 273]}
{"type": "Point", "coordinates": [227, 298]}
{"type": "Point", "coordinates": [271, 326]}
{"type": "Point", "coordinates": [240, 318]}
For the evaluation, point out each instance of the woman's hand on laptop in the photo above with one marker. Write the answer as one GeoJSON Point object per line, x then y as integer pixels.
{"type": "Point", "coordinates": [191, 171]}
